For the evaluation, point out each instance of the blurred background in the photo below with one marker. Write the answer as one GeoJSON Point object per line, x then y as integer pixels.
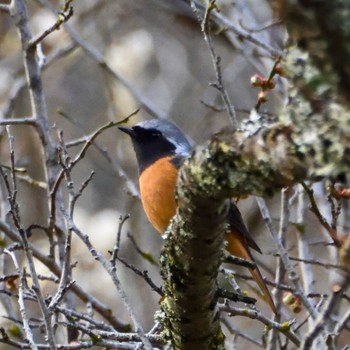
{"type": "Point", "coordinates": [158, 47]}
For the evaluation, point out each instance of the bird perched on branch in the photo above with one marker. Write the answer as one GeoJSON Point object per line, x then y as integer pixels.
{"type": "Point", "coordinates": [160, 148]}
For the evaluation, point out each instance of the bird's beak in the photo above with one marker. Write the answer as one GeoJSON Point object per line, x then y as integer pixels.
{"type": "Point", "coordinates": [128, 131]}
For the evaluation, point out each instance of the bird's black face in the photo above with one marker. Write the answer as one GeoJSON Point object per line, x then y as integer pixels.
{"type": "Point", "coordinates": [149, 145]}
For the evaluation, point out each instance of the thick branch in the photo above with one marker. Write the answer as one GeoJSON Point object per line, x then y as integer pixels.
{"type": "Point", "coordinates": [258, 162]}
{"type": "Point", "coordinates": [190, 261]}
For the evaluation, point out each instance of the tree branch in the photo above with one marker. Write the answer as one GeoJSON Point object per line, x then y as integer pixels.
{"type": "Point", "coordinates": [258, 161]}
{"type": "Point", "coordinates": [322, 28]}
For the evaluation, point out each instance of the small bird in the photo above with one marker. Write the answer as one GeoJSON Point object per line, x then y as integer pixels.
{"type": "Point", "coordinates": [160, 148]}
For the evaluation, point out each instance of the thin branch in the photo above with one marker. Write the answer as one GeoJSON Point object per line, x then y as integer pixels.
{"type": "Point", "coordinates": [342, 323]}
{"type": "Point", "coordinates": [280, 269]}
{"type": "Point", "coordinates": [122, 220]}
{"type": "Point", "coordinates": [235, 260]}
{"type": "Point", "coordinates": [284, 328]}
{"type": "Point", "coordinates": [20, 83]}
{"type": "Point", "coordinates": [219, 85]}
{"type": "Point", "coordinates": [262, 28]}
{"type": "Point", "coordinates": [14, 210]}
{"type": "Point", "coordinates": [115, 163]}
{"type": "Point", "coordinates": [19, 121]}
{"type": "Point", "coordinates": [113, 274]}
{"type": "Point", "coordinates": [226, 24]}
{"type": "Point", "coordinates": [320, 217]}
{"type": "Point", "coordinates": [324, 317]}
{"type": "Point", "coordinates": [319, 263]}
{"type": "Point", "coordinates": [97, 56]}
{"type": "Point", "coordinates": [143, 274]}
{"type": "Point", "coordinates": [5, 8]}
{"type": "Point", "coordinates": [292, 274]}
{"type": "Point", "coordinates": [22, 309]}
{"type": "Point", "coordinates": [80, 156]}
{"type": "Point", "coordinates": [238, 332]}
{"type": "Point", "coordinates": [101, 308]}
{"type": "Point", "coordinates": [84, 344]}
{"type": "Point", "coordinates": [145, 255]}
{"type": "Point", "coordinates": [62, 17]}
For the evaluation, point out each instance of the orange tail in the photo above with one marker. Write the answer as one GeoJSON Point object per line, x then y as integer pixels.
{"type": "Point", "coordinates": [237, 247]}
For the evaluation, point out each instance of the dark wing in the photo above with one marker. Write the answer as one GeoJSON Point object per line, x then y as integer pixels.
{"type": "Point", "coordinates": [236, 224]}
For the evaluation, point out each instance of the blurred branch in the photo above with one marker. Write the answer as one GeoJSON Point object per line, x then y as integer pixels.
{"type": "Point", "coordinates": [5, 8]}
{"type": "Point", "coordinates": [19, 121]}
{"type": "Point", "coordinates": [62, 17]}
{"type": "Point", "coordinates": [238, 333]}
{"type": "Point", "coordinates": [322, 29]}
{"type": "Point", "coordinates": [303, 247]}
{"type": "Point", "coordinates": [317, 262]}
{"type": "Point", "coordinates": [145, 255]}
{"type": "Point", "coordinates": [226, 24]}
{"type": "Point", "coordinates": [20, 82]}
{"type": "Point", "coordinates": [99, 58]}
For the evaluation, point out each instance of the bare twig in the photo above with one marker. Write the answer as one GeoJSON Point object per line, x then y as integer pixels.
{"type": "Point", "coordinates": [280, 269]}
{"type": "Point", "coordinates": [14, 210]}
{"type": "Point", "coordinates": [113, 274]}
{"type": "Point", "coordinates": [62, 17]}
{"type": "Point", "coordinates": [318, 263]}
{"type": "Point", "coordinates": [96, 55]}
{"type": "Point", "coordinates": [292, 274]}
{"type": "Point", "coordinates": [115, 163]}
{"type": "Point", "coordinates": [262, 28]}
{"type": "Point", "coordinates": [324, 317]}
{"type": "Point", "coordinates": [219, 84]}
{"type": "Point", "coordinates": [84, 344]}
{"type": "Point", "coordinates": [143, 274]}
{"type": "Point", "coordinates": [18, 121]}
{"type": "Point", "coordinates": [122, 220]}
{"type": "Point", "coordinates": [5, 8]}
{"type": "Point", "coordinates": [284, 328]}
{"type": "Point", "coordinates": [342, 323]}
{"type": "Point", "coordinates": [320, 217]}
{"type": "Point", "coordinates": [226, 24]}
{"type": "Point", "coordinates": [239, 333]}
{"type": "Point", "coordinates": [20, 83]}
{"type": "Point", "coordinates": [101, 308]}
{"type": "Point", "coordinates": [22, 309]}
{"type": "Point", "coordinates": [80, 156]}
{"type": "Point", "coordinates": [145, 255]}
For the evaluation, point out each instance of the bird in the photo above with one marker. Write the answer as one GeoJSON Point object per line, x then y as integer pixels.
{"type": "Point", "coordinates": [160, 148]}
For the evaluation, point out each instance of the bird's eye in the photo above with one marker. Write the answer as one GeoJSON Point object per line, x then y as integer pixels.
{"type": "Point", "coordinates": [156, 134]}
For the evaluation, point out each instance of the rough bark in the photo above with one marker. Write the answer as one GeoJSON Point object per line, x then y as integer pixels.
{"type": "Point", "coordinates": [307, 144]}
{"type": "Point", "coordinates": [322, 28]}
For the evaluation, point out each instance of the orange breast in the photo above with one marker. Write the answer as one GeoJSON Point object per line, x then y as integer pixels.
{"type": "Point", "coordinates": [157, 187]}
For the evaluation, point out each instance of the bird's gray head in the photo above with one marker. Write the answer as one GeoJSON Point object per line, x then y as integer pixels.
{"type": "Point", "coordinates": [154, 139]}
